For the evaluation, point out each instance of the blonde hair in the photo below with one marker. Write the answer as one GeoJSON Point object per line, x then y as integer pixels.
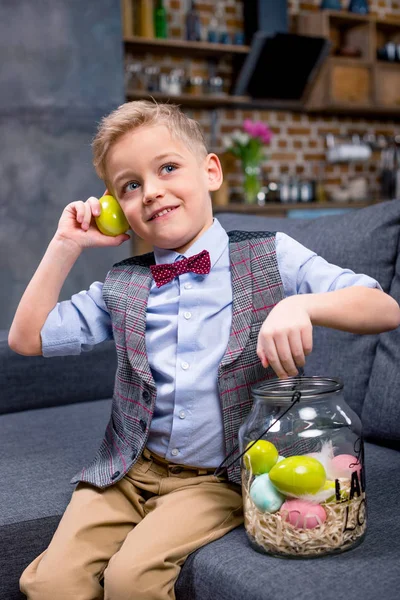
{"type": "Point", "coordinates": [131, 115]}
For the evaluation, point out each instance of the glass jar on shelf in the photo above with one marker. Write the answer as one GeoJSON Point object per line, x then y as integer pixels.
{"type": "Point", "coordinates": [215, 86]}
{"type": "Point", "coordinates": [195, 85]}
{"type": "Point", "coordinates": [152, 78]}
{"type": "Point", "coordinates": [134, 76]}
{"type": "Point", "coordinates": [302, 469]}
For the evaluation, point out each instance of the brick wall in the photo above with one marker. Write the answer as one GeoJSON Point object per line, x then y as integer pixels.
{"type": "Point", "coordinates": [298, 146]}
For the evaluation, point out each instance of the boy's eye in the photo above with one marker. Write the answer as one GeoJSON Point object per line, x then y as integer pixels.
{"type": "Point", "coordinates": [169, 168]}
{"type": "Point", "coordinates": [131, 186]}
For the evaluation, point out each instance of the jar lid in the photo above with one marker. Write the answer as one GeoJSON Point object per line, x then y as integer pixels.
{"type": "Point", "coordinates": [309, 387]}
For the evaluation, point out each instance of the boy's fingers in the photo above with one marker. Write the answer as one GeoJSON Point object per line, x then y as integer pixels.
{"type": "Point", "coordinates": [296, 348]}
{"type": "Point", "coordinates": [95, 205]}
{"type": "Point", "coordinates": [285, 354]}
{"type": "Point", "coordinates": [307, 340]}
{"type": "Point", "coordinates": [269, 348]}
{"type": "Point", "coordinates": [80, 211]}
{"type": "Point", "coordinates": [88, 216]}
{"type": "Point", "coordinates": [262, 357]}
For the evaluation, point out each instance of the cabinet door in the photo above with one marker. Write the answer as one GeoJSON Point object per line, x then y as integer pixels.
{"type": "Point", "coordinates": [350, 85]}
{"type": "Point", "coordinates": [387, 79]}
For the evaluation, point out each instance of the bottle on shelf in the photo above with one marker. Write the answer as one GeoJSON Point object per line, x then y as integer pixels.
{"type": "Point", "coordinates": [331, 5]}
{"type": "Point", "coordinates": [359, 7]}
{"type": "Point", "coordinates": [145, 10]}
{"type": "Point", "coordinates": [223, 35]}
{"type": "Point", "coordinates": [193, 24]}
{"type": "Point", "coordinates": [212, 33]}
{"type": "Point", "coordinates": [160, 20]}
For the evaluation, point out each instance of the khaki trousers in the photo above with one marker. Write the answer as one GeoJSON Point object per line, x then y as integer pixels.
{"type": "Point", "coordinates": [129, 541]}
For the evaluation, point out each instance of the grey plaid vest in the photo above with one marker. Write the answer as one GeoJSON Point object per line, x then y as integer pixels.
{"type": "Point", "coordinates": [257, 287]}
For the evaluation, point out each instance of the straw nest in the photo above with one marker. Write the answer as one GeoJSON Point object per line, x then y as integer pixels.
{"type": "Point", "coordinates": [345, 523]}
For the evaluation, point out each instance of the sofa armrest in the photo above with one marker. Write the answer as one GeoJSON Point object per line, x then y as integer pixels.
{"type": "Point", "coordinates": [28, 382]}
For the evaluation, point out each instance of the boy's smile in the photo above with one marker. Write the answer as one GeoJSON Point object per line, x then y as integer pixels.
{"type": "Point", "coordinates": [163, 186]}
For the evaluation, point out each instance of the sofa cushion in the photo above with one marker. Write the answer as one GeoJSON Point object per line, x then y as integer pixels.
{"type": "Point", "coordinates": [366, 241]}
{"type": "Point", "coordinates": [40, 451]}
{"type": "Point", "coordinates": [36, 382]}
{"type": "Point", "coordinates": [381, 410]}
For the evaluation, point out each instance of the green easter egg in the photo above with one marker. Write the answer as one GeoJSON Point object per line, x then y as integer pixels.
{"type": "Point", "coordinates": [298, 475]}
{"type": "Point", "coordinates": [261, 457]}
{"type": "Point", "coordinates": [111, 220]}
{"type": "Point", "coordinates": [329, 485]}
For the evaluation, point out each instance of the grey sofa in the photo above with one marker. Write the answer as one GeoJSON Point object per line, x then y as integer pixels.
{"type": "Point", "coordinates": [54, 411]}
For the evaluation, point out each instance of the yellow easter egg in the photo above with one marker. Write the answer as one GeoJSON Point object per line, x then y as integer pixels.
{"type": "Point", "coordinates": [298, 475]}
{"type": "Point", "coordinates": [261, 457]}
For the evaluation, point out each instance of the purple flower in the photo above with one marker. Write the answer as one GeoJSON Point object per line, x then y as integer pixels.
{"type": "Point", "coordinates": [258, 129]}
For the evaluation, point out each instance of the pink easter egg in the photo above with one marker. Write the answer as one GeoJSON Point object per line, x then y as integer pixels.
{"type": "Point", "coordinates": [302, 514]}
{"type": "Point", "coordinates": [343, 465]}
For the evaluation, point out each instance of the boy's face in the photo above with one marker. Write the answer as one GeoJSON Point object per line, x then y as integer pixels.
{"type": "Point", "coordinates": [149, 172]}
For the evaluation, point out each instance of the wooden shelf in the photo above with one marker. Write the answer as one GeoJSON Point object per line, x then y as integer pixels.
{"type": "Point", "coordinates": [388, 64]}
{"type": "Point", "coordinates": [216, 101]}
{"type": "Point", "coordinates": [181, 47]}
{"type": "Point", "coordinates": [191, 100]}
{"type": "Point", "coordinates": [387, 112]}
{"type": "Point", "coordinates": [341, 17]}
{"type": "Point", "coordinates": [274, 208]}
{"type": "Point", "coordinates": [350, 62]}
{"type": "Point", "coordinates": [392, 24]}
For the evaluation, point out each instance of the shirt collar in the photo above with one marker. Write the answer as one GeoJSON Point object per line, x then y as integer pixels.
{"type": "Point", "coordinates": [214, 239]}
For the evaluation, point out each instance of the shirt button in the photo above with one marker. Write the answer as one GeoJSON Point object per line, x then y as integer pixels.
{"type": "Point", "coordinates": [175, 452]}
{"type": "Point", "coordinates": [184, 365]}
{"type": "Point", "coordinates": [182, 414]}
{"type": "Point", "coordinates": [188, 286]}
{"type": "Point", "coordinates": [187, 315]}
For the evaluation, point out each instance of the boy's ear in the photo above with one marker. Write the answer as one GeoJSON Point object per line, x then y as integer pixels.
{"type": "Point", "coordinates": [214, 172]}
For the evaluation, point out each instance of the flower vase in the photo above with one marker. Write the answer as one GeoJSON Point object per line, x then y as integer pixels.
{"type": "Point", "coordinates": [252, 183]}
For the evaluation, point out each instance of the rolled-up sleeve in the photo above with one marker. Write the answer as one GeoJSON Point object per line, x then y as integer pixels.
{"type": "Point", "coordinates": [305, 272]}
{"type": "Point", "coordinates": [76, 325]}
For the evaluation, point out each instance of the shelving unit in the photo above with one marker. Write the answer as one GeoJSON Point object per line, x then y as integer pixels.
{"type": "Point", "coordinates": [136, 46]}
{"type": "Point", "coordinates": [360, 85]}
{"type": "Point", "coordinates": [354, 85]}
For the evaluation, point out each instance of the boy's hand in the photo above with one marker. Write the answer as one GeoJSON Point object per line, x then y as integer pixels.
{"type": "Point", "coordinates": [285, 337]}
{"type": "Point", "coordinates": [77, 225]}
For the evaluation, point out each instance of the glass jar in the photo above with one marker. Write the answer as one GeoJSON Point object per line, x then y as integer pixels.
{"type": "Point", "coordinates": [303, 481]}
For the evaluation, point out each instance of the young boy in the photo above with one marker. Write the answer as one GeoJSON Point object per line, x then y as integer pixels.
{"type": "Point", "coordinates": [191, 336]}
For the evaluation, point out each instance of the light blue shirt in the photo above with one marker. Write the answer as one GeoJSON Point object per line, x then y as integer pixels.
{"type": "Point", "coordinates": [187, 331]}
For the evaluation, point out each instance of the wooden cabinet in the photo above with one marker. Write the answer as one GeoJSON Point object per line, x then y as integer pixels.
{"type": "Point", "coordinates": [353, 79]}
{"type": "Point", "coordinates": [350, 83]}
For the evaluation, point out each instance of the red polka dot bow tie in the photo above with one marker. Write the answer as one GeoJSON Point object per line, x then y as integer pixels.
{"type": "Point", "coordinates": [199, 263]}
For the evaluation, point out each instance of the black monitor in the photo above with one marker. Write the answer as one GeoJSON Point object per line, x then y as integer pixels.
{"type": "Point", "coordinates": [281, 66]}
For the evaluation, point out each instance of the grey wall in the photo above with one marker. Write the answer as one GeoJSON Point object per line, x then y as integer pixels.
{"type": "Point", "coordinates": [61, 71]}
